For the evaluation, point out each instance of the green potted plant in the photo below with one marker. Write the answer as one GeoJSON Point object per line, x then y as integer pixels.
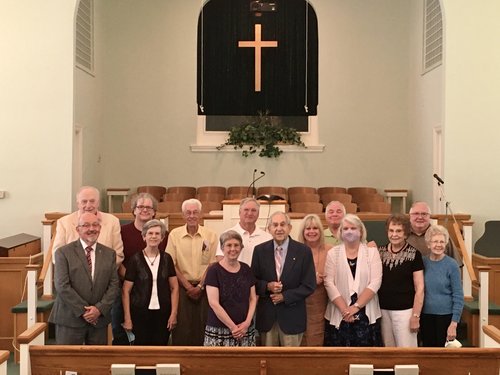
{"type": "Point", "coordinates": [261, 134]}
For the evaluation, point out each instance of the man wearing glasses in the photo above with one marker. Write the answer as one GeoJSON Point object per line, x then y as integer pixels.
{"type": "Point", "coordinates": [144, 207]}
{"type": "Point", "coordinates": [420, 220]}
{"type": "Point", "coordinates": [86, 282]}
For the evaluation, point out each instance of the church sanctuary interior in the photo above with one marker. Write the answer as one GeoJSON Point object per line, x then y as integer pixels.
{"type": "Point", "coordinates": [391, 92]}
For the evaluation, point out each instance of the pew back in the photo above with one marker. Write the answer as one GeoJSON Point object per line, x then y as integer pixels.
{"type": "Point", "coordinates": [95, 360]}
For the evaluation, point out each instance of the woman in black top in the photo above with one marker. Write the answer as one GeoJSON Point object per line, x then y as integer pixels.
{"type": "Point", "coordinates": [150, 293]}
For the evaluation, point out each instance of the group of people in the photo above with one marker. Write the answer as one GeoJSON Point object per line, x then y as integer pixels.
{"type": "Point", "coordinates": [327, 287]}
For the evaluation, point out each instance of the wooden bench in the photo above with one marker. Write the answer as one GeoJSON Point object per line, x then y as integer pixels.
{"type": "Point", "coordinates": [95, 360]}
{"type": "Point", "coordinates": [12, 280]}
{"type": "Point", "coordinates": [20, 311]}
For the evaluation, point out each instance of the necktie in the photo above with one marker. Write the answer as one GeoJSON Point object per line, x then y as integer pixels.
{"type": "Point", "coordinates": [89, 258]}
{"type": "Point", "coordinates": [278, 254]}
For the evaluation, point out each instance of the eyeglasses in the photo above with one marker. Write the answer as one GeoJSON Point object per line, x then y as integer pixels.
{"type": "Point", "coordinates": [140, 208]}
{"type": "Point", "coordinates": [88, 225]}
{"type": "Point", "coordinates": [438, 242]}
{"type": "Point", "coordinates": [423, 214]}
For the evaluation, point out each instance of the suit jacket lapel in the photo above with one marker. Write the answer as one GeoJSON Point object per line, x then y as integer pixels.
{"type": "Point", "coordinates": [291, 256]}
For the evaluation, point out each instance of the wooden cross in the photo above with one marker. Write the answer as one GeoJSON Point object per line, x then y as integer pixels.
{"type": "Point", "coordinates": [258, 44]}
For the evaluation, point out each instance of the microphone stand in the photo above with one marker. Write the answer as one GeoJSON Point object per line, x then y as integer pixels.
{"type": "Point", "coordinates": [447, 204]}
{"type": "Point", "coordinates": [252, 184]}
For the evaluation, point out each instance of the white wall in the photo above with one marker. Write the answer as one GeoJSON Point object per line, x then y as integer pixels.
{"type": "Point", "coordinates": [425, 111]}
{"type": "Point", "coordinates": [36, 96]}
{"type": "Point", "coordinates": [472, 97]}
{"type": "Point", "coordinates": [149, 102]}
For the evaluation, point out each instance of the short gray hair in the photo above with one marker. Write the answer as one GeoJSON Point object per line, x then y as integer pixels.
{"type": "Point", "coordinates": [230, 235]}
{"type": "Point", "coordinates": [287, 218]}
{"type": "Point", "coordinates": [336, 202]}
{"type": "Point", "coordinates": [188, 202]}
{"type": "Point", "coordinates": [436, 230]}
{"type": "Point", "coordinates": [94, 189]}
{"type": "Point", "coordinates": [249, 199]}
{"type": "Point", "coordinates": [154, 223]}
{"type": "Point", "coordinates": [420, 202]}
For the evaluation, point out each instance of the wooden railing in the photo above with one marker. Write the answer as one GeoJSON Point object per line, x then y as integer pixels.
{"type": "Point", "coordinates": [97, 360]}
{"type": "Point", "coordinates": [492, 336]}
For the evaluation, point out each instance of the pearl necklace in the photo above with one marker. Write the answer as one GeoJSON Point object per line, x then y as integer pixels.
{"type": "Point", "coordinates": [152, 262]}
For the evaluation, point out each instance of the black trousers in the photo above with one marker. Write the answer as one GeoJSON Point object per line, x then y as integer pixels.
{"type": "Point", "coordinates": [150, 327]}
{"type": "Point", "coordinates": [434, 329]}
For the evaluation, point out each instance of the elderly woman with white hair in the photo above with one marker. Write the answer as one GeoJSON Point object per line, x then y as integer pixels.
{"type": "Point", "coordinates": [353, 276]}
{"type": "Point", "coordinates": [444, 296]}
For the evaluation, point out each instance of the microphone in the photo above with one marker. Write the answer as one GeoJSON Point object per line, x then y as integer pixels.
{"type": "Point", "coordinates": [252, 184]}
{"type": "Point", "coordinates": [439, 179]}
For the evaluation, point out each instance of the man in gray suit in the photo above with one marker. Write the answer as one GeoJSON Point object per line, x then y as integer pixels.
{"type": "Point", "coordinates": [86, 282]}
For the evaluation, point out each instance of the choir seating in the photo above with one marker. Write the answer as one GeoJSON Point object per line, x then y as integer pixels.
{"type": "Point", "coordinates": [361, 190]}
{"type": "Point", "coordinates": [301, 190]}
{"type": "Point", "coordinates": [185, 191]}
{"type": "Point", "coordinates": [303, 197]}
{"type": "Point", "coordinates": [214, 196]}
{"type": "Point", "coordinates": [307, 207]}
{"type": "Point", "coordinates": [351, 208]}
{"type": "Point", "coordinates": [221, 190]}
{"type": "Point", "coordinates": [379, 207]}
{"type": "Point", "coordinates": [367, 198]}
{"type": "Point", "coordinates": [238, 192]}
{"type": "Point", "coordinates": [127, 206]}
{"type": "Point", "coordinates": [341, 197]}
{"type": "Point", "coordinates": [174, 197]}
{"type": "Point", "coordinates": [170, 206]}
{"type": "Point", "coordinates": [155, 191]}
{"type": "Point", "coordinates": [208, 206]}
{"type": "Point", "coordinates": [331, 189]}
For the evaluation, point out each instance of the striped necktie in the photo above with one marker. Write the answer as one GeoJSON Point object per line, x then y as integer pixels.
{"type": "Point", "coordinates": [88, 251]}
{"type": "Point", "coordinates": [278, 255]}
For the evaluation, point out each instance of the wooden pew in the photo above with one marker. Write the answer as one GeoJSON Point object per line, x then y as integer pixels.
{"type": "Point", "coordinates": [12, 279]}
{"type": "Point", "coordinates": [95, 360]}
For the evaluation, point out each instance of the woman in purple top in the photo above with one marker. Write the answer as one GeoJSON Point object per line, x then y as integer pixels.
{"type": "Point", "coordinates": [230, 286]}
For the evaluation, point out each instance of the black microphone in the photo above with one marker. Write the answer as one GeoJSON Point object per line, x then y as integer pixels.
{"type": "Point", "coordinates": [439, 179]}
{"type": "Point", "coordinates": [252, 184]}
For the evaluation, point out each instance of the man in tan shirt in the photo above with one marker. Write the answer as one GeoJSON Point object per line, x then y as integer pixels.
{"type": "Point", "coordinates": [192, 248]}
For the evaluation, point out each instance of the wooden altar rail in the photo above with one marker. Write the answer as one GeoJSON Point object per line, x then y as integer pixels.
{"type": "Point", "coordinates": [88, 360]}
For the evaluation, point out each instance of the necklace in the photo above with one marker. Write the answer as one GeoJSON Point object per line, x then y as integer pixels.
{"type": "Point", "coordinates": [152, 262]}
{"type": "Point", "coordinates": [395, 252]}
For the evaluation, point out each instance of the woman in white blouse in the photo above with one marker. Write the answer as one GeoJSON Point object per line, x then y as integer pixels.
{"type": "Point", "coordinates": [353, 276]}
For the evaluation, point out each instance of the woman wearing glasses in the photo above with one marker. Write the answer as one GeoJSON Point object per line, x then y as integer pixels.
{"type": "Point", "coordinates": [444, 296]}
